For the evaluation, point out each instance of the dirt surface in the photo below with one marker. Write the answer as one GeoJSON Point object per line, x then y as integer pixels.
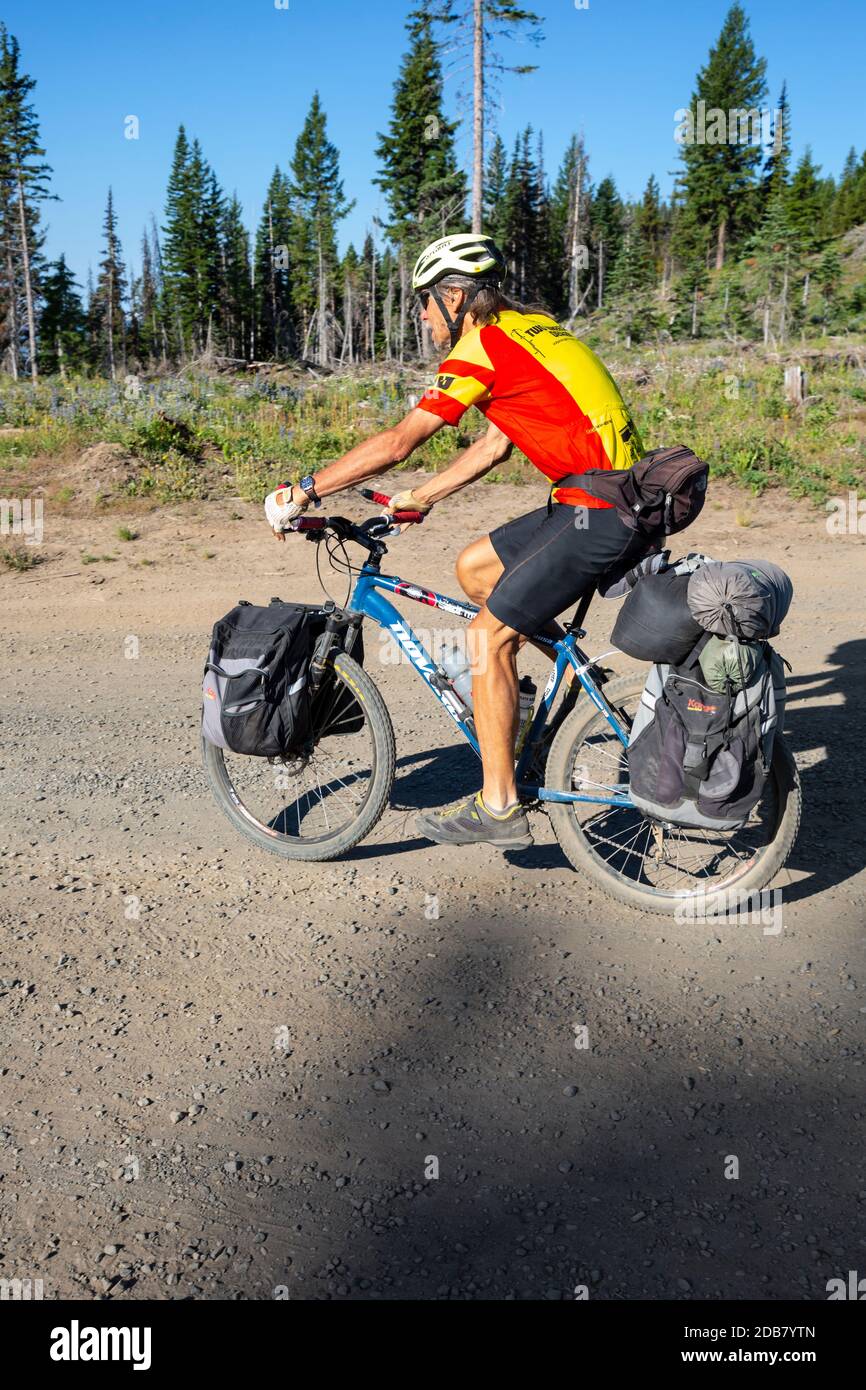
{"type": "Point", "coordinates": [224, 1075]}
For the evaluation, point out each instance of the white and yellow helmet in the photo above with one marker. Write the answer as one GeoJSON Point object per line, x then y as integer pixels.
{"type": "Point", "coordinates": [465, 253]}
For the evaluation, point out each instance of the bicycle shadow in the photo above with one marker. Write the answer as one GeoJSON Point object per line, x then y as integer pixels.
{"type": "Point", "coordinates": [827, 739]}
{"type": "Point", "coordinates": [434, 779]}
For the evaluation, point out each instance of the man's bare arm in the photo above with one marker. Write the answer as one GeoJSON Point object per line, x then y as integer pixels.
{"type": "Point", "coordinates": [474, 462]}
{"type": "Point", "coordinates": [379, 453]}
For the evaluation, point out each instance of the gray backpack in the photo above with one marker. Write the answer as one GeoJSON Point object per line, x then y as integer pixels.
{"type": "Point", "coordinates": [701, 757]}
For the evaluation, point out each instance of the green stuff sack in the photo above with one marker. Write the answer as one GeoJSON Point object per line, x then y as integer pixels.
{"type": "Point", "coordinates": [724, 667]}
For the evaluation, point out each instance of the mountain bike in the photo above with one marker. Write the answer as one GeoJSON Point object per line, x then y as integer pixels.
{"type": "Point", "coordinates": [319, 805]}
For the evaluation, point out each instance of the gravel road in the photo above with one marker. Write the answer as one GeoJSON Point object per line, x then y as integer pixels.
{"type": "Point", "coordinates": [227, 1077]}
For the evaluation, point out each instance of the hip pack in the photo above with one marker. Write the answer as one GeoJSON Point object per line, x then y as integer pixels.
{"type": "Point", "coordinates": [660, 494]}
{"type": "Point", "coordinates": [699, 756]}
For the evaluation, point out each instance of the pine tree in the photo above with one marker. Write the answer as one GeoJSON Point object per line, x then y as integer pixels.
{"type": "Point", "coordinates": [105, 311]}
{"type": "Point", "coordinates": [192, 252]}
{"type": "Point", "coordinates": [237, 307]}
{"type": "Point", "coordinates": [179, 249]}
{"type": "Point", "coordinates": [849, 204]}
{"type": "Point", "coordinates": [144, 297]}
{"type": "Point", "coordinates": [775, 253]}
{"type": "Point", "coordinates": [649, 226]}
{"type": "Point", "coordinates": [160, 315]}
{"type": "Point", "coordinates": [805, 204]}
{"type": "Point", "coordinates": [419, 174]}
{"type": "Point", "coordinates": [721, 145]}
{"type": "Point", "coordinates": [62, 322]}
{"type": "Point", "coordinates": [495, 183]}
{"type": "Point", "coordinates": [777, 166]}
{"type": "Point", "coordinates": [829, 277]}
{"type": "Point", "coordinates": [689, 295]}
{"type": "Point", "coordinates": [524, 223]}
{"type": "Point", "coordinates": [274, 308]}
{"type": "Point", "coordinates": [24, 175]}
{"type": "Point", "coordinates": [607, 235]}
{"type": "Point", "coordinates": [570, 212]}
{"type": "Point", "coordinates": [318, 205]}
{"type": "Point", "coordinates": [631, 282]}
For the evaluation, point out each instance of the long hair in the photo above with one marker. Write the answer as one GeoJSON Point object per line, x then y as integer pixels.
{"type": "Point", "coordinates": [490, 301]}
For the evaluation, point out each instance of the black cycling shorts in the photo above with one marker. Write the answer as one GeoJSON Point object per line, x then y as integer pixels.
{"type": "Point", "coordinates": [552, 558]}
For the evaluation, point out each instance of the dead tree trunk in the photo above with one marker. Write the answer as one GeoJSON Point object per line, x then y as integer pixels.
{"type": "Point", "coordinates": [477, 113]}
{"type": "Point", "coordinates": [373, 306]}
{"type": "Point", "coordinates": [322, 355]}
{"type": "Point", "coordinates": [721, 241]}
{"type": "Point", "coordinates": [573, 268]}
{"type": "Point", "coordinates": [402, 306]}
{"type": "Point", "coordinates": [28, 280]}
{"type": "Point", "coordinates": [13, 313]}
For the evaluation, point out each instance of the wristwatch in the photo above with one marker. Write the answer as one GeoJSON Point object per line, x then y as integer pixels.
{"type": "Point", "coordinates": [308, 486]}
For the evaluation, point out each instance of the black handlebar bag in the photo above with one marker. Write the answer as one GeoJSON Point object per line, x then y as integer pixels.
{"type": "Point", "coordinates": [255, 688]}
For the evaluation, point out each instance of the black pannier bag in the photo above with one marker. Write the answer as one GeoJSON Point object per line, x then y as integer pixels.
{"type": "Point", "coordinates": [255, 687]}
{"type": "Point", "coordinates": [655, 622]}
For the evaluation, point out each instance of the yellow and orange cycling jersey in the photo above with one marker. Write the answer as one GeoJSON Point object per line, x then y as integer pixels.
{"type": "Point", "coordinates": [546, 390]}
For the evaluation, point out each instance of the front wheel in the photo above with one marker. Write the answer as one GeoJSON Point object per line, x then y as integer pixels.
{"type": "Point", "coordinates": [316, 807]}
{"type": "Point", "coordinates": [655, 866]}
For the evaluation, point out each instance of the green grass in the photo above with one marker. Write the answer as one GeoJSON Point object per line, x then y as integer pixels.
{"type": "Point", "coordinates": [125, 533]}
{"type": "Point", "coordinates": [196, 437]}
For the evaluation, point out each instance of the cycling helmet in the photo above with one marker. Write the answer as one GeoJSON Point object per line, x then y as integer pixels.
{"type": "Point", "coordinates": [468, 254]}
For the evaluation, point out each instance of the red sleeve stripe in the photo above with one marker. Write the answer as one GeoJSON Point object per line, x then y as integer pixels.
{"type": "Point", "coordinates": [444, 406]}
{"type": "Point", "coordinates": [455, 367]}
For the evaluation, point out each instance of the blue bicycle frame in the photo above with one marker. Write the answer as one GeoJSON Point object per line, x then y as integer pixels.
{"type": "Point", "coordinates": [365, 599]}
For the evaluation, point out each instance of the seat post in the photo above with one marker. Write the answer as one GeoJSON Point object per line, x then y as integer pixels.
{"type": "Point", "coordinates": [581, 610]}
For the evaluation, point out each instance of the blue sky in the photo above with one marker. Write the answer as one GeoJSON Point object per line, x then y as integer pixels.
{"type": "Point", "coordinates": [240, 73]}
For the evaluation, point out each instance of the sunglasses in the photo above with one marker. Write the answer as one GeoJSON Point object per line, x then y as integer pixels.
{"type": "Point", "coordinates": [424, 296]}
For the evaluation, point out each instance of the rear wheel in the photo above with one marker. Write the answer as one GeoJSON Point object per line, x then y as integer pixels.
{"type": "Point", "coordinates": [653, 865]}
{"type": "Point", "coordinates": [316, 807]}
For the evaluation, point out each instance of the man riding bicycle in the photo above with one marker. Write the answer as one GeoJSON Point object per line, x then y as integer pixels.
{"type": "Point", "coordinates": [542, 389]}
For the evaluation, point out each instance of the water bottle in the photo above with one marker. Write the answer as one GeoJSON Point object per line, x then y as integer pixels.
{"type": "Point", "coordinates": [527, 691]}
{"type": "Point", "coordinates": [454, 662]}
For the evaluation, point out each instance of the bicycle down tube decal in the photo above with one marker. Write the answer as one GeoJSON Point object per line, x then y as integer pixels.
{"type": "Point", "coordinates": [434, 600]}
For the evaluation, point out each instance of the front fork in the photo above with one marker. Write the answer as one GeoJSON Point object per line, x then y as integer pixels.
{"type": "Point", "coordinates": [340, 631]}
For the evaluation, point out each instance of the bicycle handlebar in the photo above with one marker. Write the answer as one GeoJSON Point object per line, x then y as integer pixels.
{"type": "Point", "coordinates": [321, 523]}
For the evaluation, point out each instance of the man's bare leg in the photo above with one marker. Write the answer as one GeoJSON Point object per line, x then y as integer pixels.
{"type": "Point", "coordinates": [493, 648]}
{"type": "Point", "coordinates": [479, 569]}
